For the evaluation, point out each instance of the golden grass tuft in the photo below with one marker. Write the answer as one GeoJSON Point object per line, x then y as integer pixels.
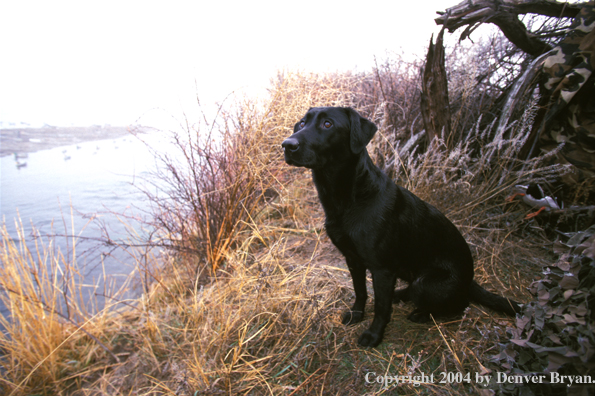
{"type": "Point", "coordinates": [52, 335]}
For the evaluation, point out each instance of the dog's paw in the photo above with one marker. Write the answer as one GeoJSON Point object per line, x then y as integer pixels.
{"type": "Point", "coordinates": [419, 316]}
{"type": "Point", "coordinates": [352, 317]}
{"type": "Point", "coordinates": [369, 339]}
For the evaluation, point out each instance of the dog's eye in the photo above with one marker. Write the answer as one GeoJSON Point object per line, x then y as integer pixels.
{"type": "Point", "coordinates": [327, 124]}
{"type": "Point", "coordinates": [302, 123]}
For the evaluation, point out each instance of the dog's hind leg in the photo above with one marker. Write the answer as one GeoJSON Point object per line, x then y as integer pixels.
{"type": "Point", "coordinates": [439, 294]}
{"type": "Point", "coordinates": [384, 285]}
{"type": "Point", "coordinates": [358, 276]}
{"type": "Point", "coordinates": [419, 316]}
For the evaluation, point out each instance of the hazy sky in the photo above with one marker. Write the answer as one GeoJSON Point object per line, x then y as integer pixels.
{"type": "Point", "coordinates": [83, 62]}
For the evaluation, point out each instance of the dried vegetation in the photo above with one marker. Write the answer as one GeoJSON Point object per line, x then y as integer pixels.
{"type": "Point", "coordinates": [246, 294]}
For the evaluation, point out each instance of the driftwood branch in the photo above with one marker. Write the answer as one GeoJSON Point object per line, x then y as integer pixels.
{"type": "Point", "coordinates": [574, 210]}
{"type": "Point", "coordinates": [520, 92]}
{"type": "Point", "coordinates": [504, 14]}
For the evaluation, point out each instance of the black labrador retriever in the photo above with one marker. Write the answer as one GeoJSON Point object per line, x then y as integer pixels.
{"type": "Point", "coordinates": [384, 228]}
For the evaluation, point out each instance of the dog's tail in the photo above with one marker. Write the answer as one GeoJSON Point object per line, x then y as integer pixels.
{"type": "Point", "coordinates": [481, 296]}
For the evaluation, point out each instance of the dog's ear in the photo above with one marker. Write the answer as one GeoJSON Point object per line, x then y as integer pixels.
{"type": "Point", "coordinates": [362, 130]}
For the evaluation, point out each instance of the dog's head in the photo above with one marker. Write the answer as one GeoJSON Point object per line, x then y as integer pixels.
{"type": "Point", "coordinates": [327, 135]}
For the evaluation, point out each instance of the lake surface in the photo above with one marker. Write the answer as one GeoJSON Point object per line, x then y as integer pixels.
{"type": "Point", "coordinates": [98, 180]}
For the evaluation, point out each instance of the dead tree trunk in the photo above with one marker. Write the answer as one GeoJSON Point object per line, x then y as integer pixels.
{"type": "Point", "coordinates": [435, 107]}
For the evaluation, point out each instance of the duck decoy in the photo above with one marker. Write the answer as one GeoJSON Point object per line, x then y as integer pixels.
{"type": "Point", "coordinates": [20, 164]}
{"type": "Point", "coordinates": [533, 196]}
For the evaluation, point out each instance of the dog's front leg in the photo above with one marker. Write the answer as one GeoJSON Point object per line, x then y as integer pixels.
{"type": "Point", "coordinates": [358, 276]}
{"type": "Point", "coordinates": [384, 285]}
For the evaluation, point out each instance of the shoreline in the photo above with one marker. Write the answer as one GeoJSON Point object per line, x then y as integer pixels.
{"type": "Point", "coordinates": [29, 140]}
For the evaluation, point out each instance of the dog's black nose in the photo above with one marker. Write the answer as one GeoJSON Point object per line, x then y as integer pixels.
{"type": "Point", "coordinates": [291, 144]}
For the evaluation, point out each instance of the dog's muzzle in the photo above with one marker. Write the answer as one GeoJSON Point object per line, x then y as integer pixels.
{"type": "Point", "coordinates": [291, 144]}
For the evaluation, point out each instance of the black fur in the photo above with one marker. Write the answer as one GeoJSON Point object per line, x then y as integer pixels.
{"type": "Point", "coordinates": [381, 227]}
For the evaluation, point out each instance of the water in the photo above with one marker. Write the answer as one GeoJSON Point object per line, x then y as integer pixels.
{"type": "Point", "coordinates": [93, 180]}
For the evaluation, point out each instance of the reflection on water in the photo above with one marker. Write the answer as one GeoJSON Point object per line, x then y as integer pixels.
{"type": "Point", "coordinates": [96, 179]}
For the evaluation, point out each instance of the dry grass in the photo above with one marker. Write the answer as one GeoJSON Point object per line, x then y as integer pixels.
{"type": "Point", "coordinates": [52, 337]}
{"type": "Point", "coordinates": [266, 320]}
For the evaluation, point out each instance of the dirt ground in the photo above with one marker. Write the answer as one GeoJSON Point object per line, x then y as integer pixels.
{"type": "Point", "coordinates": [27, 140]}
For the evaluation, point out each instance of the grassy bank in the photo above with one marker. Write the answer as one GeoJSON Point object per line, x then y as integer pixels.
{"type": "Point", "coordinates": [246, 295]}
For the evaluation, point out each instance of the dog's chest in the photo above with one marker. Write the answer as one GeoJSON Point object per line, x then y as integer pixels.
{"type": "Point", "coordinates": [351, 230]}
